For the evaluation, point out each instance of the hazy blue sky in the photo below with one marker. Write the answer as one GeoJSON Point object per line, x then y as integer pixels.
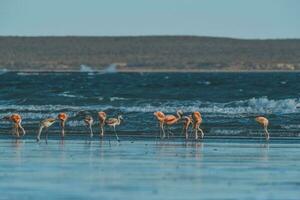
{"type": "Point", "coordinates": [229, 18]}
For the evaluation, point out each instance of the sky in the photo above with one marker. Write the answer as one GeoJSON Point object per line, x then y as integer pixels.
{"type": "Point", "coordinates": [259, 19]}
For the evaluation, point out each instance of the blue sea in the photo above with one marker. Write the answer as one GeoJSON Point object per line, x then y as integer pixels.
{"type": "Point", "coordinates": [228, 101]}
{"type": "Point", "coordinates": [233, 161]}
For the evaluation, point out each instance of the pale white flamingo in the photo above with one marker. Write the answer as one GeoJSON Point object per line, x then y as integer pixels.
{"type": "Point", "coordinates": [63, 118]}
{"type": "Point", "coordinates": [102, 118]}
{"type": "Point", "coordinates": [88, 120]}
{"type": "Point", "coordinates": [46, 123]}
{"type": "Point", "coordinates": [16, 119]}
{"type": "Point", "coordinates": [197, 120]}
{"type": "Point", "coordinates": [264, 122]}
{"type": "Point", "coordinates": [113, 122]}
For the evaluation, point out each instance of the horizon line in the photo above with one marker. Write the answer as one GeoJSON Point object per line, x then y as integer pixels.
{"type": "Point", "coordinates": [157, 35]}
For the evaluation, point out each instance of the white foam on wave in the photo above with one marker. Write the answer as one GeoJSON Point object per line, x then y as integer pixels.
{"type": "Point", "coordinates": [261, 105]}
{"type": "Point", "coordinates": [203, 82]}
{"type": "Point", "coordinates": [112, 68]}
{"type": "Point", "coordinates": [87, 69]}
{"type": "Point", "coordinates": [3, 71]}
{"type": "Point", "coordinates": [51, 108]}
{"type": "Point", "coordinates": [68, 95]}
{"type": "Point", "coordinates": [117, 98]}
{"type": "Point", "coordinates": [28, 73]}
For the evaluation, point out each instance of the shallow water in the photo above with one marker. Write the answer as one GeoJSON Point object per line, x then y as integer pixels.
{"type": "Point", "coordinates": [227, 101]}
{"type": "Point", "coordinates": [233, 161]}
{"type": "Point", "coordinates": [149, 169]}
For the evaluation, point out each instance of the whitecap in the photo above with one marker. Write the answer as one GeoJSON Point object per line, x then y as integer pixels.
{"type": "Point", "coordinates": [28, 73]}
{"type": "Point", "coordinates": [117, 98]}
{"type": "Point", "coordinates": [3, 71]}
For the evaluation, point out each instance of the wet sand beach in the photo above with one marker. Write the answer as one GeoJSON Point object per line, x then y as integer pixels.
{"type": "Point", "coordinates": [139, 168]}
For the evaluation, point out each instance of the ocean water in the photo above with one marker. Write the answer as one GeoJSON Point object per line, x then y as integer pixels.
{"type": "Point", "coordinates": [149, 169]}
{"type": "Point", "coordinates": [228, 101]}
{"type": "Point", "coordinates": [232, 162]}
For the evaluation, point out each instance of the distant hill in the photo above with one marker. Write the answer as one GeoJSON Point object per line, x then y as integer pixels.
{"type": "Point", "coordinates": [148, 53]}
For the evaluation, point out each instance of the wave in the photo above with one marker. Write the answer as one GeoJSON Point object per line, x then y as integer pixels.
{"type": "Point", "coordinates": [112, 68]}
{"type": "Point", "coordinates": [68, 95]}
{"type": "Point", "coordinates": [28, 73]}
{"type": "Point", "coordinates": [261, 105]}
{"type": "Point", "coordinates": [3, 71]}
{"type": "Point", "coordinates": [117, 99]}
{"type": "Point", "coordinates": [203, 82]}
{"type": "Point", "coordinates": [87, 69]}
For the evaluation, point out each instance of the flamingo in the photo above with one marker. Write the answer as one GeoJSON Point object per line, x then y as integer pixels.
{"type": "Point", "coordinates": [188, 120]}
{"type": "Point", "coordinates": [172, 119]}
{"type": "Point", "coordinates": [197, 119]}
{"type": "Point", "coordinates": [264, 122]}
{"type": "Point", "coordinates": [63, 118]}
{"type": "Point", "coordinates": [167, 119]}
{"type": "Point", "coordinates": [160, 116]}
{"type": "Point", "coordinates": [113, 122]}
{"type": "Point", "coordinates": [88, 120]}
{"type": "Point", "coordinates": [102, 118]}
{"type": "Point", "coordinates": [16, 119]}
{"type": "Point", "coordinates": [46, 123]}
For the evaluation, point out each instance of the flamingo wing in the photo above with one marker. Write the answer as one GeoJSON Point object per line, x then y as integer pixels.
{"type": "Point", "coordinates": [197, 117]}
{"type": "Point", "coordinates": [159, 115]}
{"type": "Point", "coordinates": [111, 121]}
{"type": "Point", "coordinates": [262, 120]}
{"type": "Point", "coordinates": [102, 116]}
{"type": "Point", "coordinates": [170, 119]}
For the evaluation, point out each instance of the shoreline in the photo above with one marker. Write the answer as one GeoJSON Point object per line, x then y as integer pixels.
{"type": "Point", "coordinates": [4, 70]}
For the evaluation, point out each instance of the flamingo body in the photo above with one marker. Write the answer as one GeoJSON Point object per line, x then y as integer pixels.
{"type": "Point", "coordinates": [63, 118]}
{"type": "Point", "coordinates": [102, 118]}
{"type": "Point", "coordinates": [188, 120]}
{"type": "Point", "coordinates": [167, 120]}
{"type": "Point", "coordinates": [160, 116]}
{"type": "Point", "coordinates": [16, 119]}
{"type": "Point", "coordinates": [46, 123]}
{"type": "Point", "coordinates": [264, 122]}
{"type": "Point", "coordinates": [113, 122]}
{"type": "Point", "coordinates": [88, 120]}
{"type": "Point", "coordinates": [197, 120]}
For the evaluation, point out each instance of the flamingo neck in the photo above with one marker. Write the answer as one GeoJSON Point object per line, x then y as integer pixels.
{"type": "Point", "coordinates": [179, 115]}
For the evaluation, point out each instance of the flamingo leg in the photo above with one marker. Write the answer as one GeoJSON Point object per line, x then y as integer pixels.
{"type": "Point", "coordinates": [62, 129]}
{"type": "Point", "coordinates": [109, 140]}
{"type": "Point", "coordinates": [46, 136]}
{"type": "Point", "coordinates": [91, 131]}
{"type": "Point", "coordinates": [102, 130]}
{"type": "Point", "coordinates": [116, 134]}
{"type": "Point", "coordinates": [13, 130]}
{"type": "Point", "coordinates": [38, 137]}
{"type": "Point", "coordinates": [160, 132]}
{"type": "Point", "coordinates": [202, 134]}
{"type": "Point", "coordinates": [186, 133]}
{"type": "Point", "coordinates": [186, 130]}
{"type": "Point", "coordinates": [163, 130]}
{"type": "Point", "coordinates": [22, 129]}
{"type": "Point", "coordinates": [17, 130]}
{"type": "Point", "coordinates": [170, 132]}
{"type": "Point", "coordinates": [267, 133]}
{"type": "Point", "coordinates": [196, 133]}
